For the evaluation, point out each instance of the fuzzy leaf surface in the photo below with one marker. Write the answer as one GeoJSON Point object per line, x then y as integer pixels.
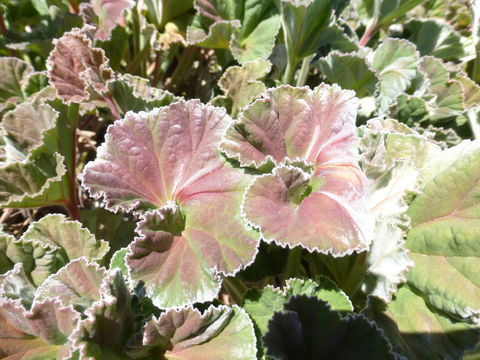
{"type": "Point", "coordinates": [168, 160]}
{"type": "Point", "coordinates": [187, 334]}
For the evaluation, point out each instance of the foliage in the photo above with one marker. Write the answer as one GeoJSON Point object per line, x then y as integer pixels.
{"type": "Point", "coordinates": [206, 179]}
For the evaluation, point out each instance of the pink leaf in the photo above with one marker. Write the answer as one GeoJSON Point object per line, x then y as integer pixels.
{"type": "Point", "coordinates": [168, 159]}
{"type": "Point", "coordinates": [107, 12]}
{"type": "Point", "coordinates": [75, 66]}
{"type": "Point", "coordinates": [324, 209]}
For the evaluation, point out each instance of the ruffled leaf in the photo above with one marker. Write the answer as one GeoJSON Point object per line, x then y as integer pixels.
{"type": "Point", "coordinates": [107, 14]}
{"type": "Point", "coordinates": [76, 68]}
{"type": "Point", "coordinates": [55, 230]}
{"type": "Point", "coordinates": [218, 333]}
{"type": "Point", "coordinates": [241, 85]}
{"type": "Point", "coordinates": [167, 156]}
{"type": "Point", "coordinates": [396, 62]}
{"type": "Point", "coordinates": [325, 210]}
{"type": "Point", "coordinates": [109, 323]}
{"type": "Point", "coordinates": [262, 304]}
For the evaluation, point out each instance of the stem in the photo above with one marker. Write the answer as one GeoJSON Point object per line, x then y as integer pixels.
{"type": "Point", "coordinates": [474, 123]}
{"type": "Point", "coordinates": [302, 78]}
{"type": "Point", "coordinates": [293, 262]}
{"type": "Point", "coordinates": [290, 71]}
{"type": "Point", "coordinates": [112, 106]}
{"type": "Point", "coordinates": [367, 35]}
{"type": "Point", "coordinates": [186, 61]}
{"type": "Point", "coordinates": [72, 205]}
{"type": "Point", "coordinates": [236, 288]}
{"type": "Point", "coordinates": [157, 68]}
{"type": "Point", "coordinates": [476, 66]}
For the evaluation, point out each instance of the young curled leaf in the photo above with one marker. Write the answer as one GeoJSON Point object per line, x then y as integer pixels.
{"type": "Point", "coordinates": [76, 67]}
{"type": "Point", "coordinates": [186, 334]}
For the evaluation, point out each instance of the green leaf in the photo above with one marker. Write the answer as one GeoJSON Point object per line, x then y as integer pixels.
{"type": "Point", "coordinates": [104, 333]}
{"type": "Point", "coordinates": [56, 231]}
{"type": "Point", "coordinates": [247, 27]}
{"type": "Point", "coordinates": [219, 333]}
{"type": "Point", "coordinates": [350, 71]}
{"type": "Point", "coordinates": [396, 62]}
{"type": "Point", "coordinates": [241, 85]}
{"type": "Point", "coordinates": [434, 37]}
{"type": "Point", "coordinates": [13, 74]}
{"type": "Point", "coordinates": [133, 93]}
{"type": "Point", "coordinates": [39, 153]}
{"type": "Point", "coordinates": [447, 101]}
{"type": "Point", "coordinates": [262, 304]}
{"type": "Point", "coordinates": [418, 331]}
{"type": "Point", "coordinates": [308, 25]}
{"type": "Point", "coordinates": [445, 228]}
{"type": "Point", "coordinates": [308, 329]}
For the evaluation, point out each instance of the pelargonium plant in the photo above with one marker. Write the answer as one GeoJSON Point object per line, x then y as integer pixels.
{"type": "Point", "coordinates": [209, 180]}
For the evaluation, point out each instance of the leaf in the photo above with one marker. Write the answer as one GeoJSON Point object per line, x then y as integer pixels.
{"type": "Point", "coordinates": [38, 177]}
{"type": "Point", "coordinates": [409, 110]}
{"type": "Point", "coordinates": [47, 320]}
{"type": "Point", "coordinates": [316, 127]}
{"type": "Point", "coordinates": [349, 71]}
{"type": "Point", "coordinates": [77, 284]}
{"type": "Point", "coordinates": [15, 344]}
{"type": "Point", "coordinates": [132, 93]}
{"type": "Point", "coordinates": [308, 25]}
{"type": "Point", "coordinates": [258, 44]}
{"type": "Point", "coordinates": [448, 94]}
{"type": "Point", "coordinates": [445, 223]}
{"type": "Point", "coordinates": [308, 329]}
{"type": "Point", "coordinates": [104, 332]}
{"type": "Point", "coordinates": [107, 13]}
{"type": "Point", "coordinates": [247, 27]}
{"type": "Point", "coordinates": [471, 92]}
{"type": "Point", "coordinates": [25, 126]}
{"type": "Point", "coordinates": [168, 160]}
{"type": "Point", "coordinates": [293, 208]}
{"type": "Point", "coordinates": [241, 85]}
{"type": "Point", "coordinates": [396, 62]}
{"type": "Point", "coordinates": [219, 333]}
{"type": "Point", "coordinates": [55, 230]}
{"type": "Point", "coordinates": [262, 304]}
{"type": "Point", "coordinates": [76, 68]}
{"type": "Point", "coordinates": [38, 261]}
{"type": "Point", "coordinates": [419, 331]}
{"type": "Point", "coordinates": [384, 12]}
{"type": "Point", "coordinates": [436, 38]}
{"type": "Point", "coordinates": [13, 73]}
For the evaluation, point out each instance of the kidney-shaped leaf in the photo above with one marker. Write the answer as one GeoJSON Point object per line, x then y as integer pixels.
{"type": "Point", "coordinates": [325, 210]}
{"type": "Point", "coordinates": [170, 156]}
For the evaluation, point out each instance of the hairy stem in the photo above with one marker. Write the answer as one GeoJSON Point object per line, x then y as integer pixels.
{"type": "Point", "coordinates": [112, 106]}
{"type": "Point", "coordinates": [367, 35]}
